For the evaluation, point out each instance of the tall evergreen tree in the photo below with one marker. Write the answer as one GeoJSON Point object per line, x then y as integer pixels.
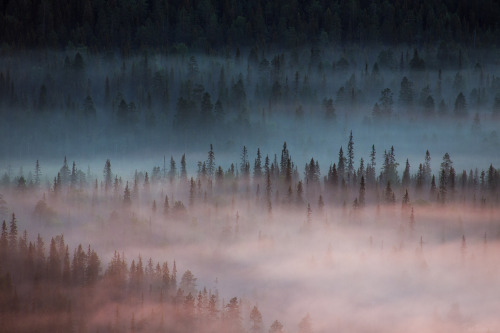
{"type": "Point", "coordinates": [350, 159]}
{"type": "Point", "coordinates": [211, 162]}
{"type": "Point", "coordinates": [256, 321]}
{"type": "Point", "coordinates": [362, 192]}
{"type": "Point", "coordinates": [183, 175]}
{"type": "Point", "coordinates": [257, 169]}
{"type": "Point", "coordinates": [13, 236]}
{"type": "Point", "coordinates": [341, 165]}
{"type": "Point", "coordinates": [172, 172]}
{"type": "Point", "coordinates": [405, 181]}
{"type": "Point", "coordinates": [108, 176]}
{"type": "Point", "coordinates": [126, 196]}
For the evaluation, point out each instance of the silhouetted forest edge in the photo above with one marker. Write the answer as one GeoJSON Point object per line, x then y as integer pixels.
{"type": "Point", "coordinates": [215, 26]}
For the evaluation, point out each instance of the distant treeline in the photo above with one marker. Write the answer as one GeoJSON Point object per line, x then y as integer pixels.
{"type": "Point", "coordinates": [269, 182]}
{"type": "Point", "coordinates": [212, 25]}
{"type": "Point", "coordinates": [123, 103]}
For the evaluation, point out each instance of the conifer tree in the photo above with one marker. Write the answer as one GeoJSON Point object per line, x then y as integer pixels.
{"type": "Point", "coordinates": [256, 321]}
{"type": "Point", "coordinates": [405, 181]}
{"type": "Point", "coordinates": [362, 192]}
{"type": "Point", "coordinates": [305, 325]}
{"type": "Point", "coordinates": [4, 241]}
{"type": "Point", "coordinates": [406, 199]}
{"type": "Point", "coordinates": [38, 174]}
{"type": "Point", "coordinates": [257, 169]}
{"type": "Point", "coordinates": [276, 327]}
{"type": "Point", "coordinates": [108, 176]}
{"type": "Point", "coordinates": [183, 175]}
{"type": "Point", "coordinates": [341, 165]}
{"type": "Point", "coordinates": [350, 159]}
{"type": "Point", "coordinates": [173, 170]}
{"type": "Point", "coordinates": [13, 236]}
{"type": "Point", "coordinates": [211, 162]}
{"type": "Point", "coordinates": [126, 196]}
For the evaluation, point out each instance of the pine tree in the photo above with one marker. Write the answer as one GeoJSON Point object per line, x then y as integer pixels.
{"type": "Point", "coordinates": [300, 191]}
{"type": "Point", "coordinates": [460, 106]}
{"type": "Point", "coordinates": [405, 181]}
{"type": "Point", "coordinates": [146, 183]}
{"type": "Point", "coordinates": [257, 169]}
{"type": "Point", "coordinates": [192, 191]}
{"type": "Point", "coordinates": [244, 165]}
{"type": "Point", "coordinates": [284, 159]}
{"type": "Point", "coordinates": [183, 175]}
{"type": "Point", "coordinates": [433, 187]}
{"type": "Point", "coordinates": [305, 325]}
{"type": "Point", "coordinates": [232, 316]}
{"type": "Point", "coordinates": [4, 242]}
{"type": "Point", "coordinates": [66, 269]}
{"type": "Point", "coordinates": [173, 170]}
{"type": "Point", "coordinates": [350, 159]}
{"type": "Point", "coordinates": [13, 236]}
{"type": "Point", "coordinates": [73, 176]}
{"type": "Point", "coordinates": [64, 172]}
{"type": "Point", "coordinates": [341, 165]}
{"type": "Point", "coordinates": [108, 176]}
{"type": "Point", "coordinates": [276, 327]}
{"type": "Point", "coordinates": [406, 199]}
{"type": "Point", "coordinates": [38, 174]}
{"type": "Point", "coordinates": [427, 167]}
{"type": "Point", "coordinates": [256, 321]}
{"type": "Point", "coordinates": [211, 162]}
{"type": "Point", "coordinates": [406, 92]}
{"type": "Point", "coordinates": [54, 262]}
{"type": "Point", "coordinates": [126, 196]}
{"type": "Point", "coordinates": [362, 191]}
{"type": "Point", "coordinates": [389, 194]}
{"type": "Point", "coordinates": [442, 185]}
{"type": "Point", "coordinates": [370, 169]}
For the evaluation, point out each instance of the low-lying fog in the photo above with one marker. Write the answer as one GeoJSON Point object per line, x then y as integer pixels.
{"type": "Point", "coordinates": [367, 269]}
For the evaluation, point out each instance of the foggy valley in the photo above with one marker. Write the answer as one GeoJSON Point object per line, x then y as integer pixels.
{"type": "Point", "coordinates": [210, 166]}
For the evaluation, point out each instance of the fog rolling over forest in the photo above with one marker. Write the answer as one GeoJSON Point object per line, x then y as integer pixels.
{"type": "Point", "coordinates": [249, 167]}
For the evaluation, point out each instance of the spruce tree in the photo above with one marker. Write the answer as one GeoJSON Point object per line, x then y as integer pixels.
{"type": "Point", "coordinates": [173, 170]}
{"type": "Point", "coordinates": [256, 321]}
{"type": "Point", "coordinates": [405, 181]}
{"type": "Point", "coordinates": [362, 191]}
{"type": "Point", "coordinates": [350, 159]}
{"type": "Point", "coordinates": [13, 236]}
{"type": "Point", "coordinates": [183, 175]}
{"type": "Point", "coordinates": [211, 162]}
{"type": "Point", "coordinates": [108, 176]}
{"type": "Point", "coordinates": [126, 196]}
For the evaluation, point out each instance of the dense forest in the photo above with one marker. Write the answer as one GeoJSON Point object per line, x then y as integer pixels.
{"type": "Point", "coordinates": [94, 104]}
{"type": "Point", "coordinates": [222, 209]}
{"type": "Point", "coordinates": [249, 166]}
{"type": "Point", "coordinates": [214, 26]}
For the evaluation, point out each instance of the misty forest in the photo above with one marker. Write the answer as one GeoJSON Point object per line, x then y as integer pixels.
{"type": "Point", "coordinates": [249, 166]}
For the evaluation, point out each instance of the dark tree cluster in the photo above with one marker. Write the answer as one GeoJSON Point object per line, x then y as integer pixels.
{"type": "Point", "coordinates": [150, 99]}
{"type": "Point", "coordinates": [214, 24]}
{"type": "Point", "coordinates": [47, 288]}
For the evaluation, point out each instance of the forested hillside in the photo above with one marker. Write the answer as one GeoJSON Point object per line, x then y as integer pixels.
{"type": "Point", "coordinates": [215, 26]}
{"type": "Point", "coordinates": [249, 166]}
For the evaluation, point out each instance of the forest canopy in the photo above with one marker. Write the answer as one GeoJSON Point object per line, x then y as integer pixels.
{"type": "Point", "coordinates": [211, 25]}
